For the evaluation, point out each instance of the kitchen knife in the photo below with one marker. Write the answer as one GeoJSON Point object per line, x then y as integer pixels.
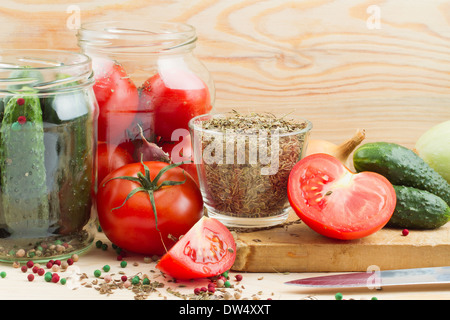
{"type": "Point", "coordinates": [376, 279]}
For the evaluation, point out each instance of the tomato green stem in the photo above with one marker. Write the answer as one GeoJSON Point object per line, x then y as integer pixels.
{"type": "Point", "coordinates": [148, 185]}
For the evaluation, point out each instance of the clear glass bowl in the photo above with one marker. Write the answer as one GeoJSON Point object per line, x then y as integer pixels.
{"type": "Point", "coordinates": [47, 147]}
{"type": "Point", "coordinates": [243, 174]}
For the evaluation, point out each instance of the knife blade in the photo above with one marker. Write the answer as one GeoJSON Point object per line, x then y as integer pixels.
{"type": "Point", "coordinates": [375, 279]}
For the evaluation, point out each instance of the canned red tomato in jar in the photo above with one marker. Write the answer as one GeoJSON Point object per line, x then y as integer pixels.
{"type": "Point", "coordinates": [148, 84]}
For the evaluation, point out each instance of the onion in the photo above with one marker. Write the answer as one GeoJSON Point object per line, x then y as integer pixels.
{"type": "Point", "coordinates": [341, 151]}
{"type": "Point", "coordinates": [434, 148]}
{"type": "Point", "coordinates": [149, 151]}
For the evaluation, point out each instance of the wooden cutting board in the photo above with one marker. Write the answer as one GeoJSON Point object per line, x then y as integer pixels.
{"type": "Point", "coordinates": [294, 247]}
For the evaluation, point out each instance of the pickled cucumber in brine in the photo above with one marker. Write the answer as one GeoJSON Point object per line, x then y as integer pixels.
{"type": "Point", "coordinates": [25, 208]}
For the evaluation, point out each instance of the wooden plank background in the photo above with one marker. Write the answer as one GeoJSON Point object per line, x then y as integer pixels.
{"type": "Point", "coordinates": [345, 64]}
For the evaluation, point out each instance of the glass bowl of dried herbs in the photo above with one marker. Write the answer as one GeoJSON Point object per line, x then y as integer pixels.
{"type": "Point", "coordinates": [243, 162]}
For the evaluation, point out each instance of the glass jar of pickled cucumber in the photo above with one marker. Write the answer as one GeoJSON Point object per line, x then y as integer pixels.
{"type": "Point", "coordinates": [148, 85]}
{"type": "Point", "coordinates": [48, 144]}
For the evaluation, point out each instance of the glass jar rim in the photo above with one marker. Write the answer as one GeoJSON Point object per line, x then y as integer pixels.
{"type": "Point", "coordinates": [48, 64]}
{"type": "Point", "coordinates": [194, 127]}
{"type": "Point", "coordinates": [55, 68]}
{"type": "Point", "coordinates": [147, 36]}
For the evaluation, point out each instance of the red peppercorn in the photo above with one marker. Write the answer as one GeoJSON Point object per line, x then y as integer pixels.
{"type": "Point", "coordinates": [55, 278]}
{"type": "Point", "coordinates": [238, 277]}
{"type": "Point", "coordinates": [119, 257]}
{"type": "Point", "coordinates": [197, 291]}
{"type": "Point", "coordinates": [35, 269]}
{"type": "Point", "coordinates": [20, 101]}
{"type": "Point", "coordinates": [30, 264]}
{"type": "Point", "coordinates": [70, 261]}
{"type": "Point", "coordinates": [222, 278]}
{"type": "Point", "coordinates": [24, 269]}
{"type": "Point", "coordinates": [211, 289]}
{"type": "Point", "coordinates": [124, 278]}
{"type": "Point", "coordinates": [30, 277]}
{"type": "Point", "coordinates": [41, 271]}
{"type": "Point", "coordinates": [22, 120]}
{"type": "Point", "coordinates": [58, 262]}
{"type": "Point", "coordinates": [49, 265]}
{"type": "Point", "coordinates": [203, 289]}
{"type": "Point", "coordinates": [405, 232]}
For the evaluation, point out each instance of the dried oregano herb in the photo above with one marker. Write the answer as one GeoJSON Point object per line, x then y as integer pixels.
{"type": "Point", "coordinates": [247, 160]}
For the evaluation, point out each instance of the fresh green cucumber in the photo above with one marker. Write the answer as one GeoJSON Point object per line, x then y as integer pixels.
{"type": "Point", "coordinates": [401, 166]}
{"type": "Point", "coordinates": [22, 165]}
{"type": "Point", "coordinates": [418, 209]}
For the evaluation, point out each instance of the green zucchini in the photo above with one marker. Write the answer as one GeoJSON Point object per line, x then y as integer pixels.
{"type": "Point", "coordinates": [401, 166]}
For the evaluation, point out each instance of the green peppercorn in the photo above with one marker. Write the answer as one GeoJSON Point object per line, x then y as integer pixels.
{"type": "Point", "coordinates": [338, 296]}
{"type": "Point", "coordinates": [146, 281]}
{"type": "Point", "coordinates": [48, 276]}
{"type": "Point", "coordinates": [123, 263]}
{"type": "Point", "coordinates": [98, 244]}
{"type": "Point", "coordinates": [135, 280]}
{"type": "Point", "coordinates": [227, 284]}
{"type": "Point", "coordinates": [97, 273]}
{"type": "Point", "coordinates": [63, 281]}
{"type": "Point", "coordinates": [3, 274]}
{"type": "Point", "coordinates": [104, 247]}
{"type": "Point", "coordinates": [106, 268]}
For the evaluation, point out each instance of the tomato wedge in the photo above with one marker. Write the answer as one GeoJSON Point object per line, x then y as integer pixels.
{"type": "Point", "coordinates": [336, 202]}
{"type": "Point", "coordinates": [206, 250]}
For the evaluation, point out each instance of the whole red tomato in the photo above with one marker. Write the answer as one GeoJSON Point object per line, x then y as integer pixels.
{"type": "Point", "coordinates": [181, 151]}
{"type": "Point", "coordinates": [140, 204]}
{"type": "Point", "coordinates": [117, 98]}
{"type": "Point", "coordinates": [207, 250]}
{"type": "Point", "coordinates": [175, 97]}
{"type": "Point", "coordinates": [336, 202]}
{"type": "Point", "coordinates": [110, 158]}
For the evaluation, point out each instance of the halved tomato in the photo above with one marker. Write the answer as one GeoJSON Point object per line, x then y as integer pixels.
{"type": "Point", "coordinates": [206, 250]}
{"type": "Point", "coordinates": [336, 202]}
